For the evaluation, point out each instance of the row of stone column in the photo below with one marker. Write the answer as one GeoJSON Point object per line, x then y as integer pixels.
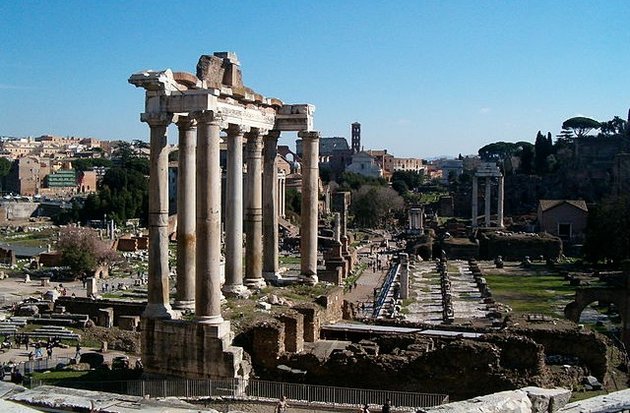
{"type": "Point", "coordinates": [199, 213]}
{"type": "Point", "coordinates": [487, 204]}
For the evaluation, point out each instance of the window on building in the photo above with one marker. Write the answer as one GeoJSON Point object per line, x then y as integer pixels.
{"type": "Point", "coordinates": [564, 230]}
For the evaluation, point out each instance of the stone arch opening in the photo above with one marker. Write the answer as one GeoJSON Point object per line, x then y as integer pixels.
{"type": "Point", "coordinates": [585, 297]}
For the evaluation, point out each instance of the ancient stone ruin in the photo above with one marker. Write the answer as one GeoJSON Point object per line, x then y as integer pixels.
{"type": "Point", "coordinates": [203, 106]}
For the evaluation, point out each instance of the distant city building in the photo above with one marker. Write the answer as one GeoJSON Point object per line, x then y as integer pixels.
{"type": "Point", "coordinates": [27, 174]}
{"type": "Point", "coordinates": [454, 167]}
{"type": "Point", "coordinates": [384, 160]}
{"type": "Point", "coordinates": [366, 165]}
{"type": "Point", "coordinates": [47, 146]}
{"type": "Point", "coordinates": [86, 182]}
{"type": "Point", "coordinates": [334, 154]}
{"type": "Point", "coordinates": [408, 164]}
{"type": "Point", "coordinates": [65, 178]}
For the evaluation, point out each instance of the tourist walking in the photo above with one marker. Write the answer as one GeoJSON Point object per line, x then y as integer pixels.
{"type": "Point", "coordinates": [364, 409]}
{"type": "Point", "coordinates": [386, 407]}
{"type": "Point", "coordinates": [282, 405]}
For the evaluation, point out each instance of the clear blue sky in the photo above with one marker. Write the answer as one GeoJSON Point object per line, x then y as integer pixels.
{"type": "Point", "coordinates": [424, 78]}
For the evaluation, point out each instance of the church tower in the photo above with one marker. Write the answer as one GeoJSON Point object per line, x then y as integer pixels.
{"type": "Point", "coordinates": [356, 137]}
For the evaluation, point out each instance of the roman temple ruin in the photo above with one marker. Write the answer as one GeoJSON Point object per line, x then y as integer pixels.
{"type": "Point", "coordinates": [207, 107]}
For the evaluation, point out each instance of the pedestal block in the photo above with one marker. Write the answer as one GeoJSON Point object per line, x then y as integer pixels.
{"type": "Point", "coordinates": [192, 350]}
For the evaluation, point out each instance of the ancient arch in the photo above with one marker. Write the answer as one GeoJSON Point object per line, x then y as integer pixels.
{"type": "Point", "coordinates": [618, 296]}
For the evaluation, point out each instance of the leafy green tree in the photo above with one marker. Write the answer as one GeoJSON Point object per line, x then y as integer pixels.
{"type": "Point", "coordinates": [580, 125]}
{"type": "Point", "coordinates": [86, 164]}
{"type": "Point", "coordinates": [5, 168]}
{"type": "Point", "coordinates": [608, 230]}
{"type": "Point", "coordinates": [498, 151]}
{"type": "Point", "coordinates": [123, 195]}
{"type": "Point", "coordinates": [82, 251]}
{"type": "Point", "coordinates": [527, 160]}
{"type": "Point", "coordinates": [615, 126]}
{"type": "Point", "coordinates": [293, 201]}
{"type": "Point", "coordinates": [400, 187]}
{"type": "Point", "coordinates": [375, 206]}
{"type": "Point", "coordinates": [543, 147]}
{"type": "Point", "coordinates": [412, 179]}
{"type": "Point", "coordinates": [350, 180]}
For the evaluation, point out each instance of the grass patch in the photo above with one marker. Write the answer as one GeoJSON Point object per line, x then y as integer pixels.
{"type": "Point", "coordinates": [541, 294]}
{"type": "Point", "coordinates": [96, 375]}
{"type": "Point", "coordinates": [286, 260]}
{"type": "Point", "coordinates": [57, 376]}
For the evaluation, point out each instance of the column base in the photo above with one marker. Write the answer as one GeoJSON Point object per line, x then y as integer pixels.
{"type": "Point", "coordinates": [216, 329]}
{"type": "Point", "coordinates": [159, 311]}
{"type": "Point", "coordinates": [184, 305]}
{"type": "Point", "coordinates": [310, 279]}
{"type": "Point", "coordinates": [272, 275]}
{"type": "Point", "coordinates": [210, 319]}
{"type": "Point", "coordinates": [255, 283]}
{"type": "Point", "coordinates": [235, 291]}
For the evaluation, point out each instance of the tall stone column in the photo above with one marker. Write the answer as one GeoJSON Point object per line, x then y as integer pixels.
{"type": "Point", "coordinates": [208, 288]}
{"type": "Point", "coordinates": [308, 230]}
{"type": "Point", "coordinates": [186, 237]}
{"type": "Point", "coordinates": [475, 200]}
{"type": "Point", "coordinates": [500, 197]}
{"type": "Point", "coordinates": [253, 212]}
{"type": "Point", "coordinates": [283, 197]}
{"type": "Point", "coordinates": [158, 305]}
{"type": "Point", "coordinates": [487, 200]}
{"type": "Point", "coordinates": [270, 206]}
{"type": "Point", "coordinates": [234, 214]}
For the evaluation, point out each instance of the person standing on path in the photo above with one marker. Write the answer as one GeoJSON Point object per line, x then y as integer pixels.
{"type": "Point", "coordinates": [282, 405]}
{"type": "Point", "coordinates": [386, 407]}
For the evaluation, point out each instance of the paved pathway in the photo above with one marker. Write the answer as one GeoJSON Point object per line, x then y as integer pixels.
{"type": "Point", "coordinates": [425, 290]}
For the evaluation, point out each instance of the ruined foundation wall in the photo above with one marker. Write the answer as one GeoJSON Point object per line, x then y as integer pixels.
{"type": "Point", "coordinates": [267, 343]}
{"type": "Point", "coordinates": [515, 246]}
{"type": "Point", "coordinates": [293, 330]}
{"type": "Point", "coordinates": [589, 347]}
{"type": "Point", "coordinates": [81, 305]}
{"type": "Point", "coordinates": [187, 349]}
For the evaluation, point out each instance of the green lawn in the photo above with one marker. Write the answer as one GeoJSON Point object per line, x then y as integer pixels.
{"type": "Point", "coordinates": [289, 260]}
{"type": "Point", "coordinates": [543, 294]}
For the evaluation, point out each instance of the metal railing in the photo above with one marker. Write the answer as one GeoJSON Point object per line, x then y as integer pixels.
{"type": "Point", "coordinates": [387, 283]}
{"type": "Point", "coordinates": [41, 364]}
{"type": "Point", "coordinates": [259, 390]}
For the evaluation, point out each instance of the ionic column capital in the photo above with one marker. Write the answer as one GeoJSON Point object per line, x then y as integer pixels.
{"type": "Point", "coordinates": [253, 137]}
{"type": "Point", "coordinates": [272, 135]}
{"type": "Point", "coordinates": [209, 117]}
{"type": "Point", "coordinates": [155, 119]}
{"type": "Point", "coordinates": [235, 130]}
{"type": "Point", "coordinates": [185, 122]}
{"type": "Point", "coordinates": [308, 135]}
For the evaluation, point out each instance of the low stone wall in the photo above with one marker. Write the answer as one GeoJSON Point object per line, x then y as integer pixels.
{"type": "Point", "coordinates": [515, 246]}
{"type": "Point", "coordinates": [10, 211]}
{"type": "Point", "coordinates": [81, 305]}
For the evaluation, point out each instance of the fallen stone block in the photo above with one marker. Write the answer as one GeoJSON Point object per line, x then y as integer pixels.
{"type": "Point", "coordinates": [547, 400]}
{"type": "Point", "coordinates": [612, 402]}
{"type": "Point", "coordinates": [503, 402]}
